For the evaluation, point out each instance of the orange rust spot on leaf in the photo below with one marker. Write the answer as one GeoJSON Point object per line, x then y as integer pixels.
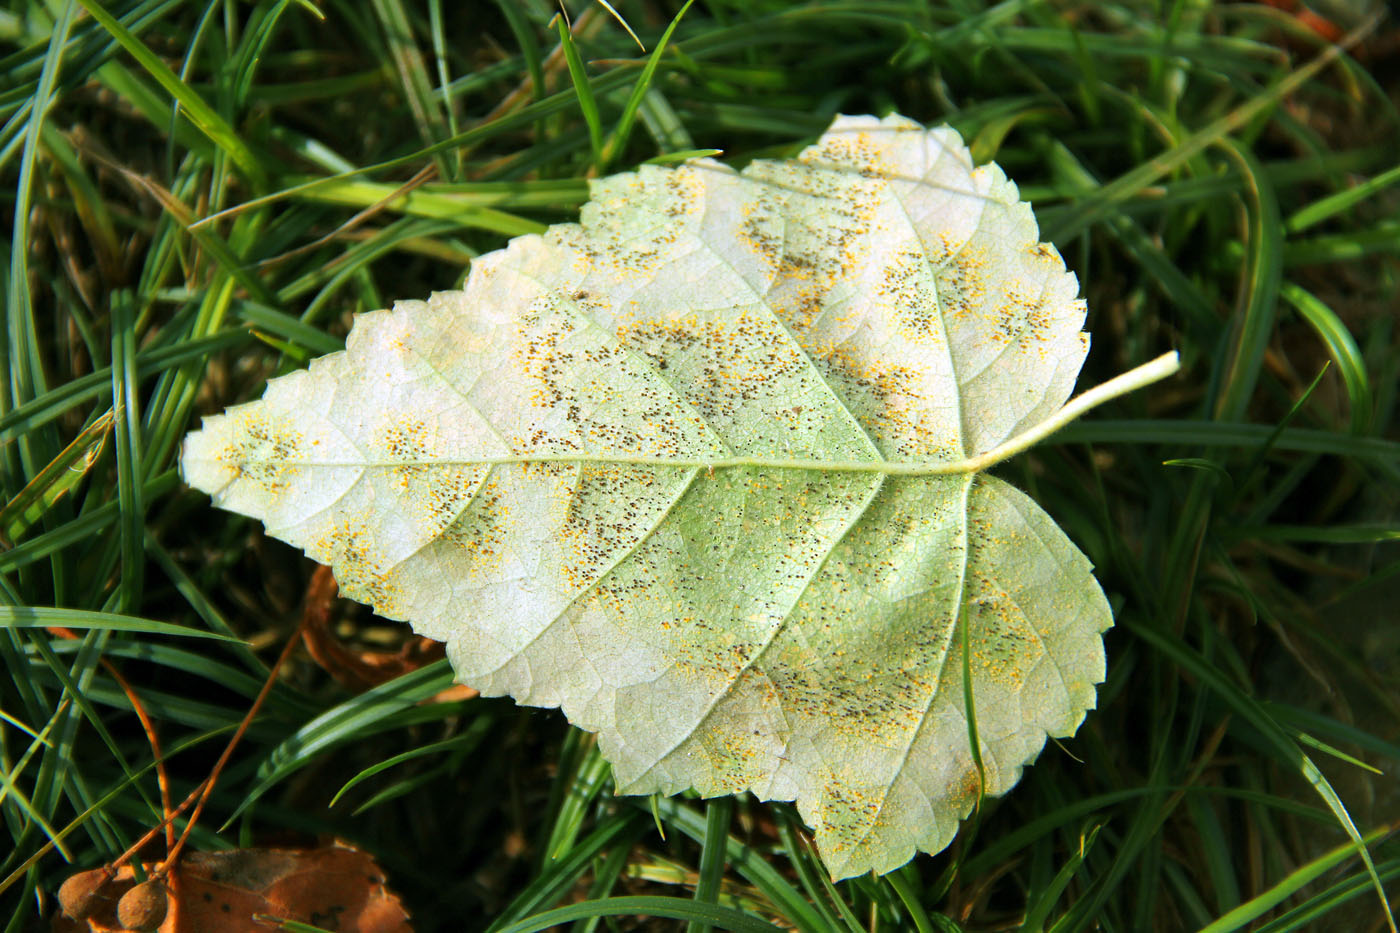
{"type": "Point", "coordinates": [260, 452]}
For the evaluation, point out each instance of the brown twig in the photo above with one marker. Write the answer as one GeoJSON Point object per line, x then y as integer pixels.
{"type": "Point", "coordinates": [218, 768]}
{"type": "Point", "coordinates": [424, 175]}
{"type": "Point", "coordinates": [147, 724]}
{"type": "Point", "coordinates": [162, 778]}
{"type": "Point", "coordinates": [200, 794]}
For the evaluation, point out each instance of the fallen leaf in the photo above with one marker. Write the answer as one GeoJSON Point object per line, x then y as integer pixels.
{"type": "Point", "coordinates": [707, 471]}
{"type": "Point", "coordinates": [336, 887]}
{"type": "Point", "coordinates": [358, 670]}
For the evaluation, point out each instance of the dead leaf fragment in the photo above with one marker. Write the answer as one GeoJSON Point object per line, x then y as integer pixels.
{"type": "Point", "coordinates": [361, 670]}
{"type": "Point", "coordinates": [336, 887]}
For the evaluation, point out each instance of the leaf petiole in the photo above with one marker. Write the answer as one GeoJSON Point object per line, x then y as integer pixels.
{"type": "Point", "coordinates": [1134, 379]}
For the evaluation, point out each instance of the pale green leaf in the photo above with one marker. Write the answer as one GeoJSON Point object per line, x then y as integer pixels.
{"type": "Point", "coordinates": [704, 470]}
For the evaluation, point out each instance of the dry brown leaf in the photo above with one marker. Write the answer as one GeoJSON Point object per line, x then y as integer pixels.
{"type": "Point", "coordinates": [336, 887]}
{"type": "Point", "coordinates": [361, 670]}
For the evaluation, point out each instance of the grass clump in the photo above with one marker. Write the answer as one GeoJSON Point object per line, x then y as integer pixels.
{"type": "Point", "coordinates": [200, 196]}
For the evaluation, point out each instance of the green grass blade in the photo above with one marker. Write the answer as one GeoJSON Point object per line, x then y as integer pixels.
{"type": "Point", "coordinates": [1261, 287]}
{"type": "Point", "coordinates": [560, 875]}
{"type": "Point", "coordinates": [347, 722]}
{"type": "Point", "coordinates": [92, 810]}
{"type": "Point", "coordinates": [909, 897]}
{"type": "Point", "coordinates": [726, 918]}
{"type": "Point", "coordinates": [18, 617]}
{"type": "Point", "coordinates": [1325, 725]}
{"type": "Point", "coordinates": [719, 812]}
{"type": "Point", "coordinates": [468, 739]}
{"type": "Point", "coordinates": [525, 39]}
{"type": "Point", "coordinates": [1311, 913]}
{"type": "Point", "coordinates": [1332, 534]}
{"type": "Point", "coordinates": [24, 378]}
{"type": "Point", "coordinates": [1305, 739]}
{"type": "Point", "coordinates": [1039, 911]}
{"type": "Point", "coordinates": [200, 113]}
{"type": "Point", "coordinates": [588, 104]}
{"type": "Point", "coordinates": [578, 797]}
{"type": "Point", "coordinates": [1341, 346]}
{"type": "Point", "coordinates": [810, 871]}
{"type": "Point", "coordinates": [60, 399]}
{"type": "Point", "coordinates": [1174, 433]}
{"type": "Point", "coordinates": [128, 443]}
{"type": "Point", "coordinates": [623, 131]}
{"type": "Point", "coordinates": [1132, 182]}
{"type": "Point", "coordinates": [1381, 239]}
{"type": "Point", "coordinates": [1291, 885]}
{"type": "Point", "coordinates": [435, 26]}
{"type": "Point", "coordinates": [1287, 749]}
{"type": "Point", "coordinates": [1334, 204]}
{"type": "Point", "coordinates": [748, 864]}
{"type": "Point", "coordinates": [462, 208]}
{"type": "Point", "coordinates": [59, 477]}
{"type": "Point", "coordinates": [413, 78]}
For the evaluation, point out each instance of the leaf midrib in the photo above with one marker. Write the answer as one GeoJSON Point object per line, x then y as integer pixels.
{"type": "Point", "coordinates": [887, 467]}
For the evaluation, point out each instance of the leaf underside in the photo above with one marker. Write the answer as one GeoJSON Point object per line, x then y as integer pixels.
{"type": "Point", "coordinates": [660, 469]}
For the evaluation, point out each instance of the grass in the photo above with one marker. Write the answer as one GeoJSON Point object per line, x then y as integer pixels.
{"type": "Point", "coordinates": [202, 195]}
